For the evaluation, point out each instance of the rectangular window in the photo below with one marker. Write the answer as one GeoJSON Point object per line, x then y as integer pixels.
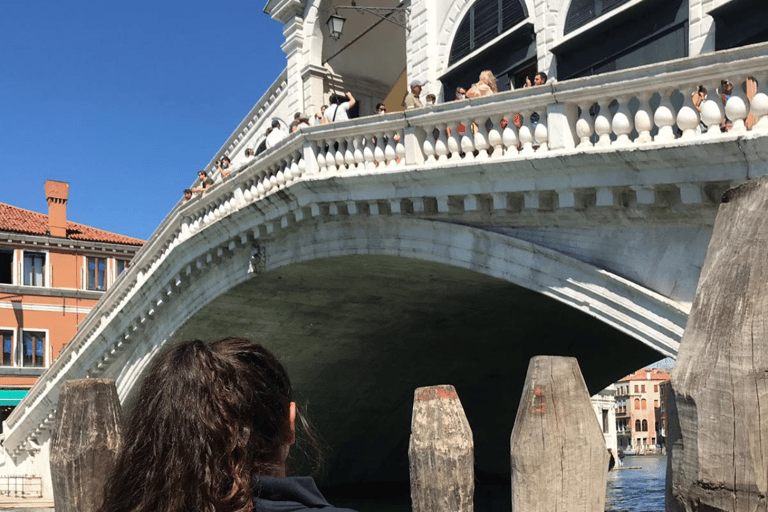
{"type": "Point", "coordinates": [655, 404]}
{"type": "Point", "coordinates": [636, 391]}
{"type": "Point", "coordinates": [661, 391]}
{"type": "Point", "coordinates": [605, 421]}
{"type": "Point", "coordinates": [97, 268]}
{"type": "Point", "coordinates": [7, 337]}
{"type": "Point", "coordinates": [655, 388]}
{"type": "Point", "coordinates": [32, 349]}
{"type": "Point", "coordinates": [34, 268]}
{"type": "Point", "coordinates": [642, 388]}
{"type": "Point", "coordinates": [121, 266]}
{"type": "Point", "coordinates": [6, 267]}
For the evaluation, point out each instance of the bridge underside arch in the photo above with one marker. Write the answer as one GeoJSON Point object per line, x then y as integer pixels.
{"type": "Point", "coordinates": [364, 311]}
{"type": "Point", "coordinates": [359, 333]}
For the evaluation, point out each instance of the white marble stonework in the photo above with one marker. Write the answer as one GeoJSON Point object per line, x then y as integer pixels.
{"type": "Point", "coordinates": [610, 214]}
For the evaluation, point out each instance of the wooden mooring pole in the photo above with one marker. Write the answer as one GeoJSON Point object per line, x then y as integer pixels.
{"type": "Point", "coordinates": [719, 459]}
{"type": "Point", "coordinates": [558, 453]}
{"type": "Point", "coordinates": [441, 452]}
{"type": "Point", "coordinates": [84, 443]}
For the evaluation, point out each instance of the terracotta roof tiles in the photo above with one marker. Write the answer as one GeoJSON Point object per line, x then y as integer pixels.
{"type": "Point", "coordinates": [19, 220]}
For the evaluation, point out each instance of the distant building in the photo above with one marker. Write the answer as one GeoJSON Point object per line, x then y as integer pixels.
{"type": "Point", "coordinates": [639, 422]}
{"type": "Point", "coordinates": [604, 404]}
{"type": "Point", "coordinates": [52, 272]}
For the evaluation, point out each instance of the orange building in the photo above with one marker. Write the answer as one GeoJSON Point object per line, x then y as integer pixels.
{"type": "Point", "coordinates": [52, 272]}
{"type": "Point", "coordinates": [639, 424]}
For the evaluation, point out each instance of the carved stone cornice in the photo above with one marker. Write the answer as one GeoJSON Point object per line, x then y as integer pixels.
{"type": "Point", "coordinates": [284, 10]}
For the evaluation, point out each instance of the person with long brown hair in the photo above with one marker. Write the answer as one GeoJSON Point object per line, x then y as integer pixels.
{"type": "Point", "coordinates": [211, 432]}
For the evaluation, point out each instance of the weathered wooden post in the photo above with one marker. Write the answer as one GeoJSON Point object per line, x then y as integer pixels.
{"type": "Point", "coordinates": [558, 452]}
{"type": "Point", "coordinates": [441, 452]}
{"type": "Point", "coordinates": [720, 380]}
{"type": "Point", "coordinates": [84, 443]}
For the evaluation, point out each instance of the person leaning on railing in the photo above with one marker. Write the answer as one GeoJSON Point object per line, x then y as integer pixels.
{"type": "Point", "coordinates": [205, 182]}
{"type": "Point", "coordinates": [212, 429]}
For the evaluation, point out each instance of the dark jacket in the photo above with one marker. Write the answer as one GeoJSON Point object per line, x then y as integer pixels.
{"type": "Point", "coordinates": [289, 494]}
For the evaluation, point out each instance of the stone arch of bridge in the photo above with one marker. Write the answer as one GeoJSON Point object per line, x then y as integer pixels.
{"type": "Point", "coordinates": [364, 309]}
{"type": "Point", "coordinates": [632, 309]}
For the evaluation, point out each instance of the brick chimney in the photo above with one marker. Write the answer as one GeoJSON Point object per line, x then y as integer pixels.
{"type": "Point", "coordinates": [57, 193]}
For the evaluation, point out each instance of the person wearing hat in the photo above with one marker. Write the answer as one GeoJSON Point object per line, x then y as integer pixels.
{"type": "Point", "coordinates": [412, 98]}
{"type": "Point", "coordinates": [276, 135]}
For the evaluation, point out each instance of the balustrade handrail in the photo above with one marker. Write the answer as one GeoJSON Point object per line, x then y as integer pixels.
{"type": "Point", "coordinates": [310, 141]}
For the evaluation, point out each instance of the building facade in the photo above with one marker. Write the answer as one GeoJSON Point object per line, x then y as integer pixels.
{"type": "Point", "coordinates": [52, 272]}
{"type": "Point", "coordinates": [640, 423]}
{"type": "Point", "coordinates": [604, 405]}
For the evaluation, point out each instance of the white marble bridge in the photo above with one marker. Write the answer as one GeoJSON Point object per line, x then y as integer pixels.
{"type": "Point", "coordinates": [611, 215]}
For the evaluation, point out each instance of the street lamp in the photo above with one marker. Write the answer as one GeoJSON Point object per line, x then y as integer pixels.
{"type": "Point", "coordinates": [335, 25]}
{"type": "Point", "coordinates": [396, 15]}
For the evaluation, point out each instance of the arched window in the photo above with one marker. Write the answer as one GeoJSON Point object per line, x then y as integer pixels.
{"type": "Point", "coordinates": [484, 21]}
{"type": "Point", "coordinates": [645, 425]}
{"type": "Point", "coordinates": [637, 404]}
{"type": "Point", "coordinates": [643, 404]}
{"type": "Point", "coordinates": [617, 41]}
{"type": "Point", "coordinates": [500, 36]}
{"type": "Point", "coordinates": [637, 425]}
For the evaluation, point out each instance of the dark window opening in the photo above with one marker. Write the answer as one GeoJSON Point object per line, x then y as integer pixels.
{"type": "Point", "coordinates": [6, 267]}
{"type": "Point", "coordinates": [486, 20]}
{"type": "Point", "coordinates": [740, 23]}
{"type": "Point", "coordinates": [620, 42]}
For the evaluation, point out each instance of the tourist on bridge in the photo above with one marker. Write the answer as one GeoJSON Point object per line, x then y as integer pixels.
{"type": "Point", "coordinates": [225, 167]}
{"type": "Point", "coordinates": [412, 99]}
{"type": "Point", "coordinates": [275, 135]}
{"type": "Point", "coordinates": [339, 107]}
{"type": "Point", "coordinates": [205, 182]}
{"type": "Point", "coordinates": [187, 194]}
{"type": "Point", "coordinates": [485, 86]}
{"type": "Point", "coordinates": [212, 429]}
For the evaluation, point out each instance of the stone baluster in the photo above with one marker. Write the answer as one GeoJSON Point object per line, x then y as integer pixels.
{"type": "Point", "coordinates": [665, 117]}
{"type": "Point", "coordinates": [429, 146]}
{"type": "Point", "coordinates": [357, 142]}
{"type": "Point", "coordinates": [301, 165]}
{"type": "Point", "coordinates": [295, 169]}
{"type": "Point", "coordinates": [273, 178]}
{"type": "Point", "coordinates": [261, 190]}
{"type": "Point", "coordinates": [688, 115]}
{"type": "Point", "coordinates": [378, 153]}
{"type": "Point", "coordinates": [288, 170]}
{"type": "Point", "coordinates": [541, 133]}
{"type": "Point", "coordinates": [622, 122]}
{"type": "Point", "coordinates": [349, 152]}
{"type": "Point", "coordinates": [330, 156]}
{"type": "Point", "coordinates": [454, 141]}
{"type": "Point", "coordinates": [280, 174]}
{"type": "Point", "coordinates": [467, 142]}
{"type": "Point", "coordinates": [603, 127]}
{"type": "Point", "coordinates": [340, 152]}
{"type": "Point", "coordinates": [400, 148]}
{"type": "Point", "coordinates": [441, 144]}
{"type": "Point", "coordinates": [737, 108]}
{"type": "Point", "coordinates": [480, 139]}
{"type": "Point", "coordinates": [510, 136]}
{"type": "Point", "coordinates": [643, 118]}
{"type": "Point", "coordinates": [370, 159]}
{"type": "Point", "coordinates": [760, 111]}
{"type": "Point", "coordinates": [526, 132]}
{"type": "Point", "coordinates": [321, 155]}
{"type": "Point", "coordinates": [495, 142]}
{"type": "Point", "coordinates": [585, 126]}
{"type": "Point", "coordinates": [389, 150]}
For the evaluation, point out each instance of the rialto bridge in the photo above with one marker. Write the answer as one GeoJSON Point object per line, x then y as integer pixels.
{"type": "Point", "coordinates": [385, 253]}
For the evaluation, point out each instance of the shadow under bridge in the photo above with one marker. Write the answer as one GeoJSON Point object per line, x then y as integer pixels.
{"type": "Point", "coordinates": [359, 333]}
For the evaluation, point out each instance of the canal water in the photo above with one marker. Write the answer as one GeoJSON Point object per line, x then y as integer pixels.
{"type": "Point", "coordinates": [639, 487]}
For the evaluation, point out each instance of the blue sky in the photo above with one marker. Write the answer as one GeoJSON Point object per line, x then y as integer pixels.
{"type": "Point", "coordinates": [125, 100]}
